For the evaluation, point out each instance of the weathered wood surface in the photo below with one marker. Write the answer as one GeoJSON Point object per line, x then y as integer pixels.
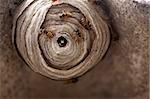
{"type": "Point", "coordinates": [123, 73]}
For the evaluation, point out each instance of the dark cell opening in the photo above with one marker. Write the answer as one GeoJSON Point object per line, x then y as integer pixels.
{"type": "Point", "coordinates": [62, 42]}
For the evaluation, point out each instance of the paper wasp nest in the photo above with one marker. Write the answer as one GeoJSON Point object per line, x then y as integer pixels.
{"type": "Point", "coordinates": [60, 39]}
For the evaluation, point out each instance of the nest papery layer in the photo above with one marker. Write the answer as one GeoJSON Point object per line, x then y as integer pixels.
{"type": "Point", "coordinates": [60, 39]}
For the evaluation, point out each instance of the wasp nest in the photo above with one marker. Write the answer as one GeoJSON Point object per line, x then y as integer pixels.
{"type": "Point", "coordinates": [61, 39]}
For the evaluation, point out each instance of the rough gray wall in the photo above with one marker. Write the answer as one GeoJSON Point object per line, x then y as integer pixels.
{"type": "Point", "coordinates": [123, 73]}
